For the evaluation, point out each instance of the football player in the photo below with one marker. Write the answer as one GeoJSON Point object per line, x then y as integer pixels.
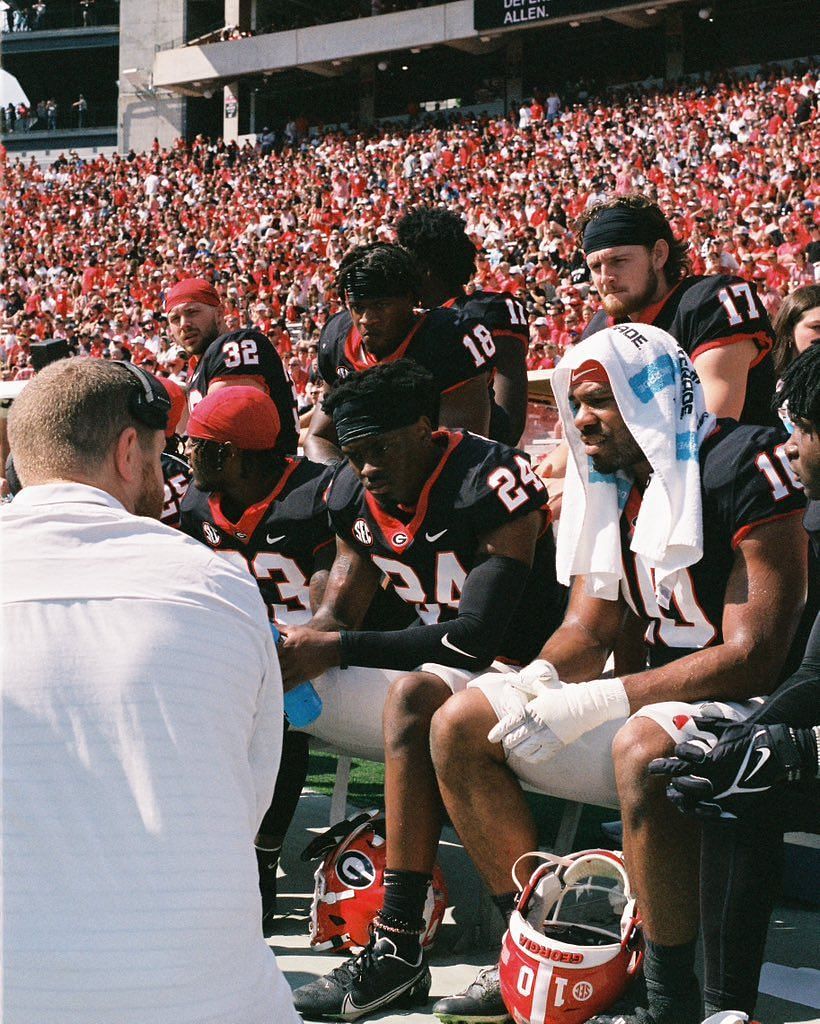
{"type": "Point", "coordinates": [719, 605]}
{"type": "Point", "coordinates": [252, 501]}
{"type": "Point", "coordinates": [446, 257]}
{"type": "Point", "coordinates": [175, 470]}
{"type": "Point", "coordinates": [760, 779]}
{"type": "Point", "coordinates": [218, 359]}
{"type": "Point", "coordinates": [641, 273]}
{"type": "Point", "coordinates": [380, 285]}
{"type": "Point", "coordinates": [460, 525]}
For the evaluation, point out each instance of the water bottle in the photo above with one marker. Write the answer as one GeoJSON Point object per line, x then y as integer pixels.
{"type": "Point", "coordinates": [303, 704]}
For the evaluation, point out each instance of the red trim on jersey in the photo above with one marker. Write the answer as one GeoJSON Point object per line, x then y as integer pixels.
{"type": "Point", "coordinates": [650, 314]}
{"type": "Point", "coordinates": [324, 544]}
{"type": "Point", "coordinates": [242, 376]}
{"type": "Point", "coordinates": [523, 337]}
{"type": "Point", "coordinates": [744, 531]}
{"type": "Point", "coordinates": [449, 303]}
{"type": "Point", "coordinates": [388, 524]}
{"type": "Point", "coordinates": [461, 383]}
{"type": "Point", "coordinates": [368, 359]}
{"type": "Point", "coordinates": [253, 514]}
{"type": "Point", "coordinates": [760, 338]}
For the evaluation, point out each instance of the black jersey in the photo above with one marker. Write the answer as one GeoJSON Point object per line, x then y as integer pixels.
{"type": "Point", "coordinates": [452, 348]}
{"type": "Point", "coordinates": [501, 312]}
{"type": "Point", "coordinates": [708, 312]}
{"type": "Point", "coordinates": [249, 353]}
{"type": "Point", "coordinates": [746, 480]}
{"type": "Point", "coordinates": [428, 552]}
{"type": "Point", "coordinates": [278, 538]}
{"type": "Point", "coordinates": [176, 473]}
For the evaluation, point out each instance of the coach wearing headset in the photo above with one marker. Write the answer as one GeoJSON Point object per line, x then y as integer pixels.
{"type": "Point", "coordinates": [141, 695]}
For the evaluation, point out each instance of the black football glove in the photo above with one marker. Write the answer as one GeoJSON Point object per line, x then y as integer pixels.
{"type": "Point", "coordinates": [722, 775]}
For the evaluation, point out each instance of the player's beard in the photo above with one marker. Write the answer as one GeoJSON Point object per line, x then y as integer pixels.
{"type": "Point", "coordinates": [619, 308]}
{"type": "Point", "coordinates": [151, 498]}
{"type": "Point", "coordinates": [620, 453]}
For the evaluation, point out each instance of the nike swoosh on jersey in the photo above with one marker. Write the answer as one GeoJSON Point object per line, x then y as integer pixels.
{"type": "Point", "coordinates": [435, 536]}
{"type": "Point", "coordinates": [274, 540]}
{"type": "Point", "coordinates": [453, 647]}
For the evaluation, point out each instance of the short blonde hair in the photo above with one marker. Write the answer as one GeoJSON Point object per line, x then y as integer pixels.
{"type": "Point", "coordinates": [68, 418]}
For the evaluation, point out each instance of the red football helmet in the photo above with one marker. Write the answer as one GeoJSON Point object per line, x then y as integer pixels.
{"type": "Point", "coordinates": [574, 941]}
{"type": "Point", "coordinates": [349, 889]}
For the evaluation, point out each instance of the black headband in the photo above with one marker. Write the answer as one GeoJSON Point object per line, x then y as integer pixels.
{"type": "Point", "coordinates": [362, 417]}
{"type": "Point", "coordinates": [362, 283]}
{"type": "Point", "coordinates": [619, 225]}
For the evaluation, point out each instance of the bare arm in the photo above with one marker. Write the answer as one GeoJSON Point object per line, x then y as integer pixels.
{"type": "Point", "coordinates": [723, 371]}
{"type": "Point", "coordinates": [510, 385]}
{"type": "Point", "coordinates": [580, 646]}
{"type": "Point", "coordinates": [308, 651]}
{"type": "Point", "coordinates": [467, 406]}
{"type": "Point", "coordinates": [321, 443]}
{"type": "Point", "coordinates": [764, 599]}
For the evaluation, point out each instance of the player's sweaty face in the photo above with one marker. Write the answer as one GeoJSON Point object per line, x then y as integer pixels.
{"type": "Point", "coordinates": [626, 278]}
{"type": "Point", "coordinates": [203, 459]}
{"type": "Point", "coordinates": [605, 436]}
{"type": "Point", "coordinates": [803, 451]}
{"type": "Point", "coordinates": [388, 466]}
{"type": "Point", "coordinates": [383, 323]}
{"type": "Point", "coordinates": [194, 325]}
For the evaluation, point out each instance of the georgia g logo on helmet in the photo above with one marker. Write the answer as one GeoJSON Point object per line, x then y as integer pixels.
{"type": "Point", "coordinates": [355, 869]}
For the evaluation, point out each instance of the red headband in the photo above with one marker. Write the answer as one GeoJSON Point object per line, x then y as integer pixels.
{"type": "Point", "coordinates": [192, 289]}
{"type": "Point", "coordinates": [589, 372]}
{"type": "Point", "coordinates": [242, 415]}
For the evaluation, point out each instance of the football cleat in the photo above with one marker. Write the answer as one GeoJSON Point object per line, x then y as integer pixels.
{"type": "Point", "coordinates": [373, 979]}
{"type": "Point", "coordinates": [479, 1003]}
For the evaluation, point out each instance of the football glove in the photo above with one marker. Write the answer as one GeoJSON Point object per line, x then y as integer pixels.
{"type": "Point", "coordinates": [557, 716]}
{"type": "Point", "coordinates": [722, 774]}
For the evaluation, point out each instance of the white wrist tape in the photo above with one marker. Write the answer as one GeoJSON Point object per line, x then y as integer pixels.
{"type": "Point", "coordinates": [585, 707]}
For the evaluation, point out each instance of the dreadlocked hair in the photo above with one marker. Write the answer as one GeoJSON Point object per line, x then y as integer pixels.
{"type": "Point", "coordinates": [800, 387]}
{"type": "Point", "coordinates": [437, 238]}
{"type": "Point", "coordinates": [401, 384]}
{"type": "Point", "coordinates": [391, 262]}
{"type": "Point", "coordinates": [677, 264]}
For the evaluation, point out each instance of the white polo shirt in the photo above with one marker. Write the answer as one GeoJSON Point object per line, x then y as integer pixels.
{"type": "Point", "coordinates": [141, 736]}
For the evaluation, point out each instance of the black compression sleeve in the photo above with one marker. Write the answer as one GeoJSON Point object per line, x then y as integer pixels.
{"type": "Point", "coordinates": [796, 701]}
{"type": "Point", "coordinates": [491, 593]}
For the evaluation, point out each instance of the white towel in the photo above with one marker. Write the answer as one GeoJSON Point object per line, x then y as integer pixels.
{"type": "Point", "coordinates": [661, 401]}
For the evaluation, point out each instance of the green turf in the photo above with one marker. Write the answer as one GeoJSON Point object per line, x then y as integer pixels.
{"type": "Point", "coordinates": [366, 789]}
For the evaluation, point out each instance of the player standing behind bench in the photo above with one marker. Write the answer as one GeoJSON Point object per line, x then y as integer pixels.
{"type": "Point", "coordinates": [380, 284]}
{"type": "Point", "coordinates": [459, 524]}
{"type": "Point", "coordinates": [219, 359]}
{"type": "Point", "coordinates": [250, 499]}
{"type": "Point", "coordinates": [446, 257]}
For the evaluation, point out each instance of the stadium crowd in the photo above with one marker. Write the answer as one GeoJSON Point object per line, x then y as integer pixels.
{"type": "Point", "coordinates": [90, 246]}
{"type": "Point", "coordinates": [681, 551]}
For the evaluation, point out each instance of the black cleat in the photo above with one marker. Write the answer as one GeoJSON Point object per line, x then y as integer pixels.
{"type": "Point", "coordinates": [367, 982]}
{"type": "Point", "coordinates": [479, 1003]}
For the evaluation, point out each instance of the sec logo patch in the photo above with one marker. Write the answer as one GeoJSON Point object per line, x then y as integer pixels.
{"type": "Point", "coordinates": [361, 531]}
{"type": "Point", "coordinates": [582, 991]}
{"type": "Point", "coordinates": [212, 535]}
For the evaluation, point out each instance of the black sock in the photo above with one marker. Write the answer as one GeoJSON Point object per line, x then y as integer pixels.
{"type": "Point", "coordinates": [671, 984]}
{"type": "Point", "coordinates": [401, 919]}
{"type": "Point", "coordinates": [506, 904]}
